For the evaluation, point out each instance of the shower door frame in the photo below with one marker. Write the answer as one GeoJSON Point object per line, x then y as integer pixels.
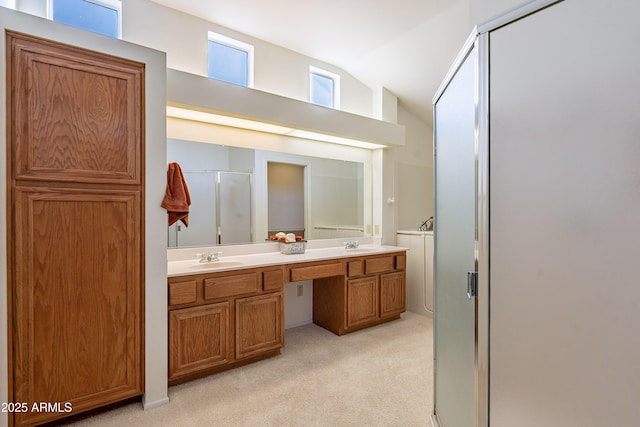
{"type": "Point", "coordinates": [478, 43]}
{"type": "Point", "coordinates": [219, 204]}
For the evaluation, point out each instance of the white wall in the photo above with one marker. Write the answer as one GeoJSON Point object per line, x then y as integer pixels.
{"type": "Point", "coordinates": [277, 70]}
{"type": "Point", "coordinates": [155, 170]}
{"type": "Point", "coordinates": [414, 172]}
{"type": "Point", "coordinates": [404, 190]}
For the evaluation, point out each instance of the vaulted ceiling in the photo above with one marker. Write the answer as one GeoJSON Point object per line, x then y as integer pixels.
{"type": "Point", "coordinates": [405, 46]}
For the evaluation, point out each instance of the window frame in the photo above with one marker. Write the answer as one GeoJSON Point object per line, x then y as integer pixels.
{"type": "Point", "coordinates": [234, 44]}
{"type": "Point", "coordinates": [336, 85]}
{"type": "Point", "coordinates": [110, 4]}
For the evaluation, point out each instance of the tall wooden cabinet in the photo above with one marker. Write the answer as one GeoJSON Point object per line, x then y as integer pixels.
{"type": "Point", "coordinates": [75, 221]}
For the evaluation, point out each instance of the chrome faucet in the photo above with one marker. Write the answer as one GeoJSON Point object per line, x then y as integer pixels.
{"type": "Point", "coordinates": [352, 244]}
{"type": "Point", "coordinates": [209, 256]}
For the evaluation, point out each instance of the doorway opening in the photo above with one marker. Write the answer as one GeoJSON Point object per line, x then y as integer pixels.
{"type": "Point", "coordinates": [286, 198]}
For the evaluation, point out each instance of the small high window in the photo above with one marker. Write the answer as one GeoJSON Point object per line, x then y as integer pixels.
{"type": "Point", "coordinates": [99, 16]}
{"type": "Point", "coordinates": [230, 60]}
{"type": "Point", "coordinates": [324, 88]}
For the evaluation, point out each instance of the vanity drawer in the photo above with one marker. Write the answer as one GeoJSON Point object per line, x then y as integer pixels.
{"type": "Point", "coordinates": [317, 271]}
{"type": "Point", "coordinates": [182, 292]}
{"type": "Point", "coordinates": [401, 262]}
{"type": "Point", "coordinates": [355, 268]}
{"type": "Point", "coordinates": [239, 284]}
{"type": "Point", "coordinates": [380, 264]}
{"type": "Point", "coordinates": [273, 280]}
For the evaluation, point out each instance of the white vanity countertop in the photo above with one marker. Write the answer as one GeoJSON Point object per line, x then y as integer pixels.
{"type": "Point", "coordinates": [235, 262]}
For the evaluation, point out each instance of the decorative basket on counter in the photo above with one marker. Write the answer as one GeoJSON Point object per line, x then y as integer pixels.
{"type": "Point", "coordinates": [293, 248]}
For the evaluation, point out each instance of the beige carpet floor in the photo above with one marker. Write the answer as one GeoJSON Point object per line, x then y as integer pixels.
{"type": "Point", "coordinates": [381, 376]}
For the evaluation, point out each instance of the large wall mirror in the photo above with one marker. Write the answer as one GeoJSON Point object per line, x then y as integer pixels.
{"type": "Point", "coordinates": [243, 195]}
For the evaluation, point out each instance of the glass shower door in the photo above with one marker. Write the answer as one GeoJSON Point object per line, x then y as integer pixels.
{"type": "Point", "coordinates": [454, 248]}
{"type": "Point", "coordinates": [234, 207]}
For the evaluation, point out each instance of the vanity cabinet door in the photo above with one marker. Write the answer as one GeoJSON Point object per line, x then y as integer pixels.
{"type": "Point", "coordinates": [259, 324]}
{"type": "Point", "coordinates": [362, 301]}
{"type": "Point", "coordinates": [198, 338]}
{"type": "Point", "coordinates": [392, 294]}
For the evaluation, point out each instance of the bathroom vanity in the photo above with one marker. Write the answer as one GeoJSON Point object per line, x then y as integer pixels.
{"type": "Point", "coordinates": [230, 312]}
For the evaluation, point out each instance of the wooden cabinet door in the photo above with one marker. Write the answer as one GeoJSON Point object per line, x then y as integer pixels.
{"type": "Point", "coordinates": [77, 334]}
{"type": "Point", "coordinates": [392, 294]}
{"type": "Point", "coordinates": [76, 115]}
{"type": "Point", "coordinates": [362, 300]}
{"type": "Point", "coordinates": [198, 338]}
{"type": "Point", "coordinates": [259, 324]}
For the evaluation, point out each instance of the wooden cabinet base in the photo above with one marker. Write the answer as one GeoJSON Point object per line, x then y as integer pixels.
{"type": "Point", "coordinates": [223, 320]}
{"type": "Point", "coordinates": [342, 330]}
{"type": "Point", "coordinates": [220, 321]}
{"type": "Point", "coordinates": [236, 364]}
{"type": "Point", "coordinates": [366, 297]}
{"type": "Point", "coordinates": [342, 307]}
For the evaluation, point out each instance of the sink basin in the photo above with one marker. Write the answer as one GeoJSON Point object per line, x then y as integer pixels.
{"type": "Point", "coordinates": [217, 264]}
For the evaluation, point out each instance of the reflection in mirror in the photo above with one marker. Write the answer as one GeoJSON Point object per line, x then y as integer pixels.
{"type": "Point", "coordinates": [286, 198]}
{"type": "Point", "coordinates": [231, 194]}
{"type": "Point", "coordinates": [223, 202]}
{"type": "Point", "coordinates": [233, 207]}
{"type": "Point", "coordinates": [336, 205]}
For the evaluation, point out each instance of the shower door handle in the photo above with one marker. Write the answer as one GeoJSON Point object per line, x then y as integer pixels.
{"type": "Point", "coordinates": [472, 284]}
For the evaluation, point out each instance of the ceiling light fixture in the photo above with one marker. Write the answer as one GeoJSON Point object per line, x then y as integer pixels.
{"type": "Point", "coordinates": [218, 119]}
{"type": "Point", "coordinates": [298, 133]}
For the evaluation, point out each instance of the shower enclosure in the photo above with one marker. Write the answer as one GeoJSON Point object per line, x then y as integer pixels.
{"type": "Point", "coordinates": [220, 211]}
{"type": "Point", "coordinates": [537, 192]}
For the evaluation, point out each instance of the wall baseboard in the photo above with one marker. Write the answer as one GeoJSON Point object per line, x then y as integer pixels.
{"type": "Point", "coordinates": [154, 404]}
{"type": "Point", "coordinates": [301, 323]}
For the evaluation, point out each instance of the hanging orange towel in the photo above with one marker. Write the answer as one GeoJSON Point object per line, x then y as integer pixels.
{"type": "Point", "coordinates": [176, 198]}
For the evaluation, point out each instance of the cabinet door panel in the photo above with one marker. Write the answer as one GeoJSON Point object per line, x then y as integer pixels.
{"type": "Point", "coordinates": [259, 324]}
{"type": "Point", "coordinates": [317, 271]}
{"type": "Point", "coordinates": [198, 338]}
{"type": "Point", "coordinates": [379, 265]}
{"type": "Point", "coordinates": [227, 286]}
{"type": "Point", "coordinates": [273, 280]}
{"type": "Point", "coordinates": [355, 268]}
{"type": "Point", "coordinates": [77, 323]}
{"type": "Point", "coordinates": [362, 300]}
{"type": "Point", "coordinates": [183, 292]}
{"type": "Point", "coordinates": [392, 294]}
{"type": "Point", "coordinates": [76, 114]}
